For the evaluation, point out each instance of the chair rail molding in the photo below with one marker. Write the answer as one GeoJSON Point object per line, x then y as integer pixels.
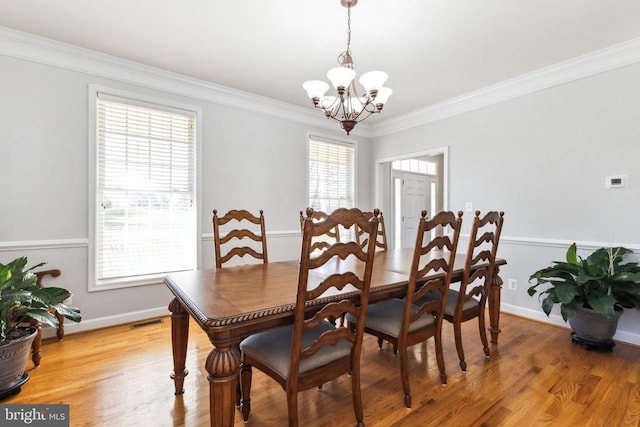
{"type": "Point", "coordinates": [43, 244]}
{"type": "Point", "coordinates": [560, 243]}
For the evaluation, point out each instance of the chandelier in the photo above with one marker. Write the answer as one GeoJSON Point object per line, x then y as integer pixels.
{"type": "Point", "coordinates": [347, 107]}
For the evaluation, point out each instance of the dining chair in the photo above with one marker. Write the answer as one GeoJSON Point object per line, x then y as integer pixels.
{"type": "Point", "coordinates": [469, 301]}
{"type": "Point", "coordinates": [381, 236]}
{"type": "Point", "coordinates": [220, 242]}
{"type": "Point", "coordinates": [36, 354]}
{"type": "Point", "coordinates": [313, 350]}
{"type": "Point", "coordinates": [407, 321]}
{"type": "Point", "coordinates": [321, 242]}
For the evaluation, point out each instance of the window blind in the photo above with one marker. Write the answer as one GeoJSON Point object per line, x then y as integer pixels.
{"type": "Point", "coordinates": [331, 175]}
{"type": "Point", "coordinates": [145, 190]}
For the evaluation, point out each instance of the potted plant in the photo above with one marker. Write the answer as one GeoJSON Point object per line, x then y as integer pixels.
{"type": "Point", "coordinates": [22, 302]}
{"type": "Point", "coordinates": [592, 292]}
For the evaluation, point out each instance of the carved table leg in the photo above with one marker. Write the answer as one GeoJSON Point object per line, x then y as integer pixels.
{"type": "Point", "coordinates": [179, 341]}
{"type": "Point", "coordinates": [222, 366]}
{"type": "Point", "coordinates": [494, 306]}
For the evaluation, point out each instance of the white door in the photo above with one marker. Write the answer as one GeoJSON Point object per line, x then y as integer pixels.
{"type": "Point", "coordinates": [412, 195]}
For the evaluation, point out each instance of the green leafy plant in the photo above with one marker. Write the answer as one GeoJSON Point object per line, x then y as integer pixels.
{"type": "Point", "coordinates": [22, 299]}
{"type": "Point", "coordinates": [601, 282]}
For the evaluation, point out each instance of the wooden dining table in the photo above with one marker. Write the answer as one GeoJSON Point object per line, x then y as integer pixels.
{"type": "Point", "coordinates": [232, 303]}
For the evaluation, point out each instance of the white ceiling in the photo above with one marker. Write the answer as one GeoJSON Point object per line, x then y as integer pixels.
{"type": "Point", "coordinates": [433, 50]}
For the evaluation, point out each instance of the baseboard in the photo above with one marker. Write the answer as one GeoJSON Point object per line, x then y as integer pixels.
{"type": "Point", "coordinates": [103, 322]}
{"type": "Point", "coordinates": [554, 319]}
{"type": "Point", "coordinates": [136, 316]}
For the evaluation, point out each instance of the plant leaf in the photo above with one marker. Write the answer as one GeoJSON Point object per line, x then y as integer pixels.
{"type": "Point", "coordinates": [604, 305]}
{"type": "Point", "coordinates": [572, 254]}
{"type": "Point", "coordinates": [71, 313]}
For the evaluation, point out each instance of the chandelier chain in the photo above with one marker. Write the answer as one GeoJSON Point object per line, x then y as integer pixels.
{"type": "Point", "coordinates": [349, 30]}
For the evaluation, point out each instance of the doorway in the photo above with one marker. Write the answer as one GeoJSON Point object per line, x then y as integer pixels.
{"type": "Point", "coordinates": [407, 185]}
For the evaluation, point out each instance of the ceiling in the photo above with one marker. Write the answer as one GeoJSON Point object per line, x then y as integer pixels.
{"type": "Point", "coordinates": [433, 50]}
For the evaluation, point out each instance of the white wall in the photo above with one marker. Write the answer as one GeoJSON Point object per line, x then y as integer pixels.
{"type": "Point", "coordinates": [542, 158]}
{"type": "Point", "coordinates": [249, 160]}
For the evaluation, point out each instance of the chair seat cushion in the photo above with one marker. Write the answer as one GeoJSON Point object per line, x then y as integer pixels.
{"type": "Point", "coordinates": [452, 299]}
{"type": "Point", "coordinates": [386, 317]}
{"type": "Point", "coordinates": [273, 348]}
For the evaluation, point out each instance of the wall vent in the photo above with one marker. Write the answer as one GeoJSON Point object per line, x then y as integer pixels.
{"type": "Point", "coordinates": [146, 323]}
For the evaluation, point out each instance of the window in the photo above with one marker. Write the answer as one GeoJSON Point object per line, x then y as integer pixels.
{"type": "Point", "coordinates": [144, 215]}
{"type": "Point", "coordinates": [331, 174]}
{"type": "Point", "coordinates": [414, 165]}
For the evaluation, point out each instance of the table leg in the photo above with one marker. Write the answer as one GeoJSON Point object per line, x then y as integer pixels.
{"type": "Point", "coordinates": [494, 305]}
{"type": "Point", "coordinates": [222, 365]}
{"type": "Point", "coordinates": [179, 341]}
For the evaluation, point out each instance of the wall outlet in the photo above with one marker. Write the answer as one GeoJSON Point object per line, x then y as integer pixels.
{"type": "Point", "coordinates": [512, 284]}
{"type": "Point", "coordinates": [468, 206]}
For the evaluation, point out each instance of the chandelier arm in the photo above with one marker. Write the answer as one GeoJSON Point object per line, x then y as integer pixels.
{"type": "Point", "coordinates": [369, 113]}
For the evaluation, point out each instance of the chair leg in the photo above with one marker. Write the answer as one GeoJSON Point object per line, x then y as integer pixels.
{"type": "Point", "coordinates": [36, 354]}
{"type": "Point", "coordinates": [292, 406]}
{"type": "Point", "coordinates": [238, 385]}
{"type": "Point", "coordinates": [239, 390]}
{"type": "Point", "coordinates": [380, 340]}
{"type": "Point", "coordinates": [356, 395]}
{"type": "Point", "coordinates": [457, 332]}
{"type": "Point", "coordinates": [60, 330]}
{"type": "Point", "coordinates": [245, 380]}
{"type": "Point", "coordinates": [440, 357]}
{"type": "Point", "coordinates": [404, 375]}
{"type": "Point", "coordinates": [483, 334]}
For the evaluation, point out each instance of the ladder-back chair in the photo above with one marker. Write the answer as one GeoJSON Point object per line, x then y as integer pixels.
{"type": "Point", "coordinates": [470, 300]}
{"type": "Point", "coordinates": [381, 237]}
{"type": "Point", "coordinates": [220, 242]}
{"type": "Point", "coordinates": [313, 350]}
{"type": "Point", "coordinates": [36, 354]}
{"type": "Point", "coordinates": [414, 319]}
{"type": "Point", "coordinates": [330, 237]}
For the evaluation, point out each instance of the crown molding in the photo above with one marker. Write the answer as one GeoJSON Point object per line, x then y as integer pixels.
{"type": "Point", "coordinates": [29, 47]}
{"type": "Point", "coordinates": [33, 48]}
{"type": "Point", "coordinates": [610, 58]}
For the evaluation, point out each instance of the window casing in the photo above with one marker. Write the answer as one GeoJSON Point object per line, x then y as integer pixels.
{"type": "Point", "coordinates": [144, 206]}
{"type": "Point", "coordinates": [331, 174]}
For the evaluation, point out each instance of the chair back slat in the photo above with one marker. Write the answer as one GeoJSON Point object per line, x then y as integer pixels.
{"type": "Point", "coordinates": [223, 242]}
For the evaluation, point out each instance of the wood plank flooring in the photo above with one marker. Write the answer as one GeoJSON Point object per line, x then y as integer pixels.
{"type": "Point", "coordinates": [119, 377]}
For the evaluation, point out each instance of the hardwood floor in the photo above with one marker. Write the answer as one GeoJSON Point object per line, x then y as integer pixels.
{"type": "Point", "coordinates": [119, 377]}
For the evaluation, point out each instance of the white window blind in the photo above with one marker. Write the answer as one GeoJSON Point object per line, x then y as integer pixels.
{"type": "Point", "coordinates": [145, 219]}
{"type": "Point", "coordinates": [331, 175]}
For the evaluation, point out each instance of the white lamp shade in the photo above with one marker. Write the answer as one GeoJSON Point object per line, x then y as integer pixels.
{"type": "Point", "coordinates": [373, 80]}
{"type": "Point", "coordinates": [383, 95]}
{"type": "Point", "coordinates": [341, 76]}
{"type": "Point", "coordinates": [315, 88]}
